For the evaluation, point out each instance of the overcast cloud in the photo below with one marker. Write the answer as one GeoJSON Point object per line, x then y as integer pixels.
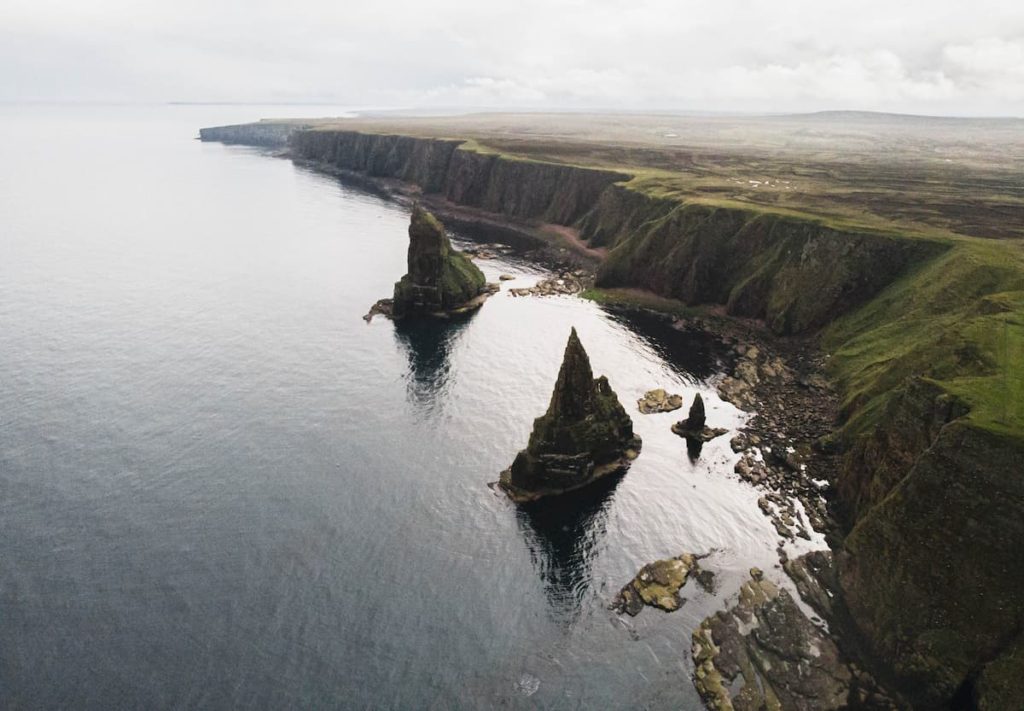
{"type": "Point", "coordinates": [940, 56]}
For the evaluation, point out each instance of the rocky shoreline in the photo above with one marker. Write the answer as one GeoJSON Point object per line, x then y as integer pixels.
{"type": "Point", "coordinates": [786, 452]}
{"type": "Point", "coordinates": [785, 447]}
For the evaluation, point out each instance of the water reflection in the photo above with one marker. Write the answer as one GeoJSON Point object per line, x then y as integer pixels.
{"type": "Point", "coordinates": [428, 345]}
{"type": "Point", "coordinates": [696, 355]}
{"type": "Point", "coordinates": [694, 446]}
{"type": "Point", "coordinates": [563, 533]}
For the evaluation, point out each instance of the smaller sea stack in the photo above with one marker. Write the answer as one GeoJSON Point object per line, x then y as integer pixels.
{"type": "Point", "coordinates": [584, 436]}
{"type": "Point", "coordinates": [441, 280]}
{"type": "Point", "coordinates": [694, 427]}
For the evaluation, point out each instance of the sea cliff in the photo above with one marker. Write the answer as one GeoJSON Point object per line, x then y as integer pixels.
{"type": "Point", "coordinates": [925, 338]}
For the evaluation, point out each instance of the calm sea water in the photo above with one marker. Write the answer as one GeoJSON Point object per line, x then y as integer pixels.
{"type": "Point", "coordinates": [220, 488]}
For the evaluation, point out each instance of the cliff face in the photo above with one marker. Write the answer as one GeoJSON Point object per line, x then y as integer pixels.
{"type": "Point", "coordinates": [932, 572]}
{"type": "Point", "coordinates": [439, 279]}
{"type": "Point", "coordinates": [932, 374]}
{"type": "Point", "coordinates": [794, 273]}
{"type": "Point", "coordinates": [584, 435]}
{"type": "Point", "coordinates": [927, 344]}
{"type": "Point", "coordinates": [523, 189]}
{"type": "Point", "coordinates": [267, 134]}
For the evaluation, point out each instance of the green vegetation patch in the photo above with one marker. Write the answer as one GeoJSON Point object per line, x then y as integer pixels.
{"type": "Point", "coordinates": [957, 320]}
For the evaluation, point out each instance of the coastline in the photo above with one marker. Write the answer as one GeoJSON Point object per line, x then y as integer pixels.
{"type": "Point", "coordinates": [792, 497]}
{"type": "Point", "coordinates": [766, 283]}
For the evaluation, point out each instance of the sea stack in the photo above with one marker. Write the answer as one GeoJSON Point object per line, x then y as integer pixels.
{"type": "Point", "coordinates": [694, 427]}
{"type": "Point", "coordinates": [441, 280]}
{"type": "Point", "coordinates": [584, 436]}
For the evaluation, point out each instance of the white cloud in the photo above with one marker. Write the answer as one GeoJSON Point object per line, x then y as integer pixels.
{"type": "Point", "coordinates": [938, 56]}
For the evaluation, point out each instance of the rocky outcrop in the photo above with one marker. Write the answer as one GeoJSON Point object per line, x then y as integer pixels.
{"type": "Point", "coordinates": [657, 584]}
{"type": "Point", "coordinates": [658, 400]}
{"type": "Point", "coordinates": [694, 427]}
{"type": "Point", "coordinates": [584, 436]}
{"type": "Point", "coordinates": [765, 654]}
{"type": "Point", "coordinates": [440, 279]}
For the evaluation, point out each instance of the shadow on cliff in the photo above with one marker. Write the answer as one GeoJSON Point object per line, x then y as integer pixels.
{"type": "Point", "coordinates": [428, 344]}
{"type": "Point", "coordinates": [563, 534]}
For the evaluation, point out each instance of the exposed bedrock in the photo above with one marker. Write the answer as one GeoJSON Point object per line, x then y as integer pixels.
{"type": "Point", "coordinates": [584, 436]}
{"type": "Point", "coordinates": [658, 584]}
{"type": "Point", "coordinates": [763, 653]}
{"type": "Point", "coordinates": [657, 400]}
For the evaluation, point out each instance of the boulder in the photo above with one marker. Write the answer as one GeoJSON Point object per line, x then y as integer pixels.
{"type": "Point", "coordinates": [585, 435]}
{"type": "Point", "coordinates": [658, 400]}
{"type": "Point", "coordinates": [657, 584]}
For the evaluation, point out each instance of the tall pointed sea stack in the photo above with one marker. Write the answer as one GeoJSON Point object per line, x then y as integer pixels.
{"type": "Point", "coordinates": [440, 279]}
{"type": "Point", "coordinates": [585, 435]}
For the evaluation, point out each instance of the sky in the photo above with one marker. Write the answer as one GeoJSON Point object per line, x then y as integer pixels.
{"type": "Point", "coordinates": [937, 57]}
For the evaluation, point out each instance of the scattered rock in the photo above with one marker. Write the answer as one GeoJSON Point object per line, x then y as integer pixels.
{"type": "Point", "coordinates": [658, 400]}
{"type": "Point", "coordinates": [585, 435]}
{"type": "Point", "coordinates": [506, 277]}
{"type": "Point", "coordinates": [564, 284]}
{"type": "Point", "coordinates": [657, 584]}
{"type": "Point", "coordinates": [737, 392]}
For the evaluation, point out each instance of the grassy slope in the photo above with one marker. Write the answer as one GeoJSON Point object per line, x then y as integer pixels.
{"type": "Point", "coordinates": [958, 320]}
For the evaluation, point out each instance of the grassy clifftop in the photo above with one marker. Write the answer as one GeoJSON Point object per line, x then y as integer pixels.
{"type": "Point", "coordinates": [957, 320]}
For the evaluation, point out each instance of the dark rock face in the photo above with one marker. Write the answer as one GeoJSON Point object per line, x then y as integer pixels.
{"type": "Point", "coordinates": [696, 419]}
{"type": "Point", "coordinates": [694, 428]}
{"type": "Point", "coordinates": [585, 435]}
{"type": "Point", "coordinates": [794, 273]}
{"type": "Point", "coordinates": [932, 572]}
{"type": "Point", "coordinates": [523, 189]}
{"type": "Point", "coordinates": [440, 279]}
